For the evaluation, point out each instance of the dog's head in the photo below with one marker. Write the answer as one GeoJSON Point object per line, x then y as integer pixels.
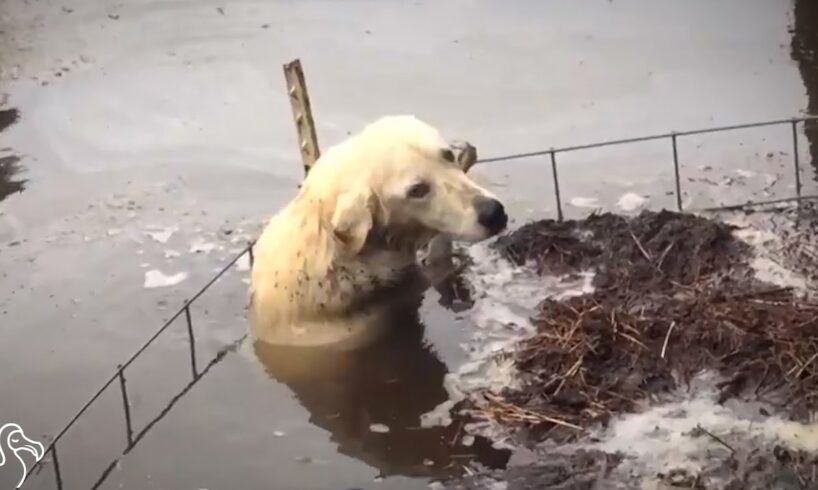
{"type": "Point", "coordinates": [400, 173]}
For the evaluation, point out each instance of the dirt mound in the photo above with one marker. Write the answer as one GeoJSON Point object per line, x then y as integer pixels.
{"type": "Point", "coordinates": [674, 296]}
{"type": "Point", "coordinates": [656, 249]}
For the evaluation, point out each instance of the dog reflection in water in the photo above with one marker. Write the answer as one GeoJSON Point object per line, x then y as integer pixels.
{"type": "Point", "coordinates": [389, 382]}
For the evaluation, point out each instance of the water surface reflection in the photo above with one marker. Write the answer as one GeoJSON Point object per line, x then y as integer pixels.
{"type": "Point", "coordinates": [388, 384]}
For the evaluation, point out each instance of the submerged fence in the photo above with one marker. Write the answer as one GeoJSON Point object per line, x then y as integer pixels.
{"type": "Point", "coordinates": [133, 438]}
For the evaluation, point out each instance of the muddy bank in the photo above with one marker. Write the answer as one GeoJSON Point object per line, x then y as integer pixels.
{"type": "Point", "coordinates": [675, 295]}
{"type": "Point", "coordinates": [9, 164]}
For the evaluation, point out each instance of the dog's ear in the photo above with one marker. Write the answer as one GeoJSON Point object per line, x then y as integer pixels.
{"type": "Point", "coordinates": [353, 217]}
{"type": "Point", "coordinates": [465, 155]}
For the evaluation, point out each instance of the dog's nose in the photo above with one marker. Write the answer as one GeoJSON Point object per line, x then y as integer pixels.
{"type": "Point", "coordinates": [491, 214]}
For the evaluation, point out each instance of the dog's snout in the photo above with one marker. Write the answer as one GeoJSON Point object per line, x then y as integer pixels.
{"type": "Point", "coordinates": [491, 214]}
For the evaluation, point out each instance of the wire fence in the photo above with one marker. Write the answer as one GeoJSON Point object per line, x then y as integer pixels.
{"type": "Point", "coordinates": [673, 138]}
{"type": "Point", "coordinates": [133, 437]}
{"type": "Point", "coordinates": [119, 375]}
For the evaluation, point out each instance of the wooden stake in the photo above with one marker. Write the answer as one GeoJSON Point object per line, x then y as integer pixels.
{"type": "Point", "coordinates": [302, 114]}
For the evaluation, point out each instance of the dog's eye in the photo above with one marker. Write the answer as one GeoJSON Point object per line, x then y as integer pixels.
{"type": "Point", "coordinates": [447, 155]}
{"type": "Point", "coordinates": [418, 190]}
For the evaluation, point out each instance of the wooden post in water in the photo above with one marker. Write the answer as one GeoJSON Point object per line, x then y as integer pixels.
{"type": "Point", "coordinates": [302, 114]}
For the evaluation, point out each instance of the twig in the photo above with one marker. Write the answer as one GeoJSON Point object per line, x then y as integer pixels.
{"type": "Point", "coordinates": [634, 340]}
{"type": "Point", "coordinates": [715, 438]}
{"type": "Point", "coordinates": [759, 293]}
{"type": "Point", "coordinates": [664, 254]}
{"type": "Point", "coordinates": [524, 414]}
{"type": "Point", "coordinates": [805, 365]}
{"type": "Point", "coordinates": [667, 337]}
{"type": "Point", "coordinates": [560, 422]}
{"type": "Point", "coordinates": [568, 374]}
{"type": "Point", "coordinates": [641, 248]}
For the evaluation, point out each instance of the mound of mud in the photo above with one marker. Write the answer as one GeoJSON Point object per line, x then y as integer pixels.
{"type": "Point", "coordinates": [674, 295]}
{"type": "Point", "coordinates": [634, 255]}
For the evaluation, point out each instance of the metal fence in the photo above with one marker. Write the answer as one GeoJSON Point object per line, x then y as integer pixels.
{"type": "Point", "coordinates": [133, 438]}
{"type": "Point", "coordinates": [674, 137]}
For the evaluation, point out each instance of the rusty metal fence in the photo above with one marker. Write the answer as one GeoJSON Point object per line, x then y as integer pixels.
{"type": "Point", "coordinates": [133, 437]}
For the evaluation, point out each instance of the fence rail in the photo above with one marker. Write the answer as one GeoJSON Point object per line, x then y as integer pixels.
{"type": "Point", "coordinates": [673, 136]}
{"type": "Point", "coordinates": [119, 374]}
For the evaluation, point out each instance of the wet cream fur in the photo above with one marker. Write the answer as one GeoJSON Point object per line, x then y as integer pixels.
{"type": "Point", "coordinates": [326, 263]}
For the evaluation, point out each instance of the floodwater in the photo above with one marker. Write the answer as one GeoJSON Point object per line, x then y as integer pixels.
{"type": "Point", "coordinates": [155, 137]}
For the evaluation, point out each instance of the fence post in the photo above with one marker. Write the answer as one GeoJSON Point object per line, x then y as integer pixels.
{"type": "Point", "coordinates": [191, 340]}
{"type": "Point", "coordinates": [302, 114]}
{"type": "Point", "coordinates": [556, 185]}
{"type": "Point", "coordinates": [126, 405]}
{"type": "Point", "coordinates": [795, 159]}
{"type": "Point", "coordinates": [676, 173]}
{"type": "Point", "coordinates": [57, 474]}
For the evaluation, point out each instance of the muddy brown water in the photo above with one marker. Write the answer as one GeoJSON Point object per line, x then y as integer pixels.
{"type": "Point", "coordinates": [122, 134]}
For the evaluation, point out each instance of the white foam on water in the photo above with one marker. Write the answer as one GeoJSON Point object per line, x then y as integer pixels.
{"type": "Point", "coordinates": [243, 264]}
{"type": "Point", "coordinates": [202, 247]}
{"type": "Point", "coordinates": [767, 248]}
{"type": "Point", "coordinates": [772, 272]}
{"type": "Point", "coordinates": [665, 436]}
{"type": "Point", "coordinates": [631, 202]}
{"type": "Point", "coordinates": [155, 278]}
{"type": "Point", "coordinates": [379, 428]}
{"type": "Point", "coordinates": [507, 296]}
{"type": "Point", "coordinates": [584, 202]}
{"type": "Point", "coordinates": [160, 234]}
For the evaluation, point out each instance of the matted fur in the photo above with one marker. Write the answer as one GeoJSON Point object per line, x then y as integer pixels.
{"type": "Point", "coordinates": [334, 257]}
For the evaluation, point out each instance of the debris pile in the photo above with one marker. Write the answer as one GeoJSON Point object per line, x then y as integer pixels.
{"type": "Point", "coordinates": [674, 295]}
